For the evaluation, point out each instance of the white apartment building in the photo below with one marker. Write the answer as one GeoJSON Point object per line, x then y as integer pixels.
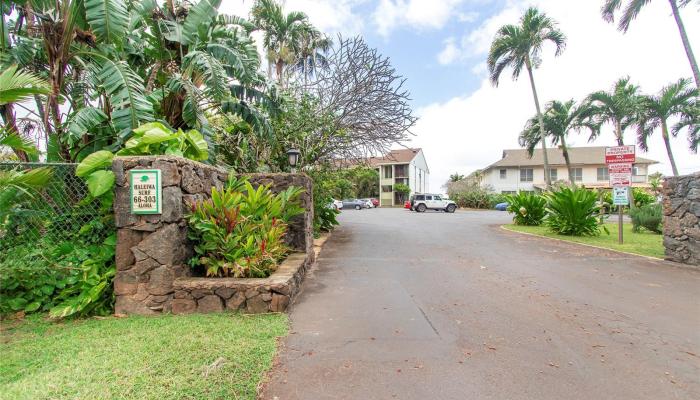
{"type": "Point", "coordinates": [406, 166]}
{"type": "Point", "coordinates": [516, 171]}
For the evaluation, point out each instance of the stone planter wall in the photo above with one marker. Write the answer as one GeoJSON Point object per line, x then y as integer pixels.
{"type": "Point", "coordinates": [681, 215]}
{"type": "Point", "coordinates": [152, 250]}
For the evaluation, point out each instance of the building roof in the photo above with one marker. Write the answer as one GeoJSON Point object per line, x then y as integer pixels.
{"type": "Point", "coordinates": [578, 155]}
{"type": "Point", "coordinates": [400, 156]}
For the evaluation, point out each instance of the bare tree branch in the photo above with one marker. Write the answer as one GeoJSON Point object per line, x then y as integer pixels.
{"type": "Point", "coordinates": [366, 99]}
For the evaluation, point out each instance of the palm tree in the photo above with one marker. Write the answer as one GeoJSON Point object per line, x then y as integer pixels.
{"type": "Point", "coordinates": [632, 10]}
{"type": "Point", "coordinates": [559, 118]}
{"type": "Point", "coordinates": [520, 46]}
{"type": "Point", "coordinates": [618, 107]}
{"type": "Point", "coordinates": [314, 47]}
{"type": "Point", "coordinates": [112, 65]}
{"type": "Point", "coordinates": [456, 177]}
{"type": "Point", "coordinates": [282, 34]}
{"type": "Point", "coordinates": [15, 87]}
{"type": "Point", "coordinates": [674, 100]}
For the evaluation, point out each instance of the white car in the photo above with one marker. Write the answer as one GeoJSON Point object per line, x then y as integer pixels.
{"type": "Point", "coordinates": [368, 203]}
{"type": "Point", "coordinates": [336, 204]}
{"type": "Point", "coordinates": [427, 201]}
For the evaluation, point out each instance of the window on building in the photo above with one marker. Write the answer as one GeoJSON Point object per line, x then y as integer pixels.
{"type": "Point", "coordinates": [401, 171]}
{"type": "Point", "coordinates": [635, 170]}
{"type": "Point", "coordinates": [503, 173]}
{"type": "Point", "coordinates": [526, 175]}
{"type": "Point", "coordinates": [387, 189]}
{"type": "Point", "coordinates": [387, 172]}
{"type": "Point", "coordinates": [578, 174]}
{"type": "Point", "coordinates": [603, 174]}
{"type": "Point", "coordinates": [553, 175]}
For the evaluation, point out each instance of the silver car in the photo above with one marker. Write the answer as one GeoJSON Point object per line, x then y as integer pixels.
{"type": "Point", "coordinates": [354, 203]}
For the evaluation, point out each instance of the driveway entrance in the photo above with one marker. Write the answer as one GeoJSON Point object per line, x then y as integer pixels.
{"type": "Point", "coordinates": [405, 305]}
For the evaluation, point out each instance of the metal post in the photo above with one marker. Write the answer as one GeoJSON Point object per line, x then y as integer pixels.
{"type": "Point", "coordinates": [619, 228]}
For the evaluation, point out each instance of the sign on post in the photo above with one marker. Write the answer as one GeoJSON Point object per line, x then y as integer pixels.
{"type": "Point", "coordinates": [619, 154]}
{"type": "Point", "coordinates": [620, 174]}
{"type": "Point", "coordinates": [146, 191]}
{"type": "Point", "coordinates": [620, 196]}
{"type": "Point", "coordinates": [619, 160]}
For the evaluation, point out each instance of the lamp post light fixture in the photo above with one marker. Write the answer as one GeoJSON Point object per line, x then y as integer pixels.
{"type": "Point", "coordinates": [293, 157]}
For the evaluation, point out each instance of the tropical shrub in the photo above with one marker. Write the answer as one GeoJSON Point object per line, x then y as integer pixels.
{"type": "Point", "coordinates": [527, 208]}
{"type": "Point", "coordinates": [148, 139]}
{"type": "Point", "coordinates": [70, 277]}
{"type": "Point", "coordinates": [648, 216]}
{"type": "Point", "coordinates": [240, 231]}
{"type": "Point", "coordinates": [497, 198]}
{"type": "Point", "coordinates": [572, 211]}
{"type": "Point", "coordinates": [15, 187]}
{"type": "Point", "coordinates": [324, 186]}
{"type": "Point", "coordinates": [642, 197]}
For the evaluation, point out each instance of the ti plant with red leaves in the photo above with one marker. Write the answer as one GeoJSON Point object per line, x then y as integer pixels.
{"type": "Point", "coordinates": [240, 230]}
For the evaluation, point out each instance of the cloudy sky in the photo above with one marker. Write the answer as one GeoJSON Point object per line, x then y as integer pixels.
{"type": "Point", "coordinates": [441, 47]}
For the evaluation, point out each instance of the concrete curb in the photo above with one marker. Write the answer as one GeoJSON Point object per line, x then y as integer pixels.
{"type": "Point", "coordinates": [588, 245]}
{"type": "Point", "coordinates": [318, 244]}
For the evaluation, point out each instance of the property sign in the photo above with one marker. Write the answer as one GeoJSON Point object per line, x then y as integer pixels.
{"type": "Point", "coordinates": [620, 196]}
{"type": "Point", "coordinates": [146, 191]}
{"type": "Point", "coordinates": [620, 174]}
{"type": "Point", "coordinates": [619, 154]}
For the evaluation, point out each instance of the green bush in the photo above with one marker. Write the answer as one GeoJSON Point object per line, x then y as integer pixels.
{"type": "Point", "coordinates": [324, 214]}
{"type": "Point", "coordinates": [497, 198]}
{"type": "Point", "coordinates": [572, 211]}
{"type": "Point", "coordinates": [66, 278]}
{"type": "Point", "coordinates": [648, 216]}
{"type": "Point", "coordinates": [527, 208]}
{"type": "Point", "coordinates": [642, 197]}
{"type": "Point", "coordinates": [240, 231]}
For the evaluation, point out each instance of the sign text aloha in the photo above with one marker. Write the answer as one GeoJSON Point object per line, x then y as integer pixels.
{"type": "Point", "coordinates": [146, 191]}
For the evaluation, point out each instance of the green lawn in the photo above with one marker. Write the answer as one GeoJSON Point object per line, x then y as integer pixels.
{"type": "Point", "coordinates": [138, 357]}
{"type": "Point", "coordinates": [643, 243]}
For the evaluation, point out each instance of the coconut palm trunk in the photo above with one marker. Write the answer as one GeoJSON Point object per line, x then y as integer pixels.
{"type": "Point", "coordinates": [618, 133]}
{"type": "Point", "coordinates": [567, 160]}
{"type": "Point", "coordinates": [686, 42]}
{"type": "Point", "coordinates": [547, 180]}
{"type": "Point", "coordinates": [667, 143]}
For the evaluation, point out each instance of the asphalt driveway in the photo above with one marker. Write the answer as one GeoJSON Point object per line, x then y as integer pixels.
{"type": "Point", "coordinates": [449, 306]}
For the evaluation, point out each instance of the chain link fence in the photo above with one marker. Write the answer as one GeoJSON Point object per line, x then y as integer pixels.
{"type": "Point", "coordinates": [60, 211]}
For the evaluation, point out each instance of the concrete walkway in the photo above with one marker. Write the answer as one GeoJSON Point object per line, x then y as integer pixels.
{"type": "Point", "coordinates": [449, 306]}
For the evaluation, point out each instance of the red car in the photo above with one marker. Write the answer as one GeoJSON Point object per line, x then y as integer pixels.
{"type": "Point", "coordinates": [407, 205]}
{"type": "Point", "coordinates": [375, 202]}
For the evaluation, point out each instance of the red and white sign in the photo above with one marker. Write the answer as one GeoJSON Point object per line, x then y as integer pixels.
{"type": "Point", "coordinates": [620, 174]}
{"type": "Point", "coordinates": [619, 154]}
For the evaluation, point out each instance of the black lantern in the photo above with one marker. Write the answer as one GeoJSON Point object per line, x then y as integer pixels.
{"type": "Point", "coordinates": [293, 157]}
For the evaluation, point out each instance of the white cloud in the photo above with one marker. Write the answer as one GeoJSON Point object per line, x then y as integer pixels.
{"type": "Point", "coordinates": [449, 53]}
{"type": "Point", "coordinates": [470, 131]}
{"type": "Point", "coordinates": [416, 14]}
{"type": "Point", "coordinates": [330, 16]}
{"type": "Point", "coordinates": [467, 16]}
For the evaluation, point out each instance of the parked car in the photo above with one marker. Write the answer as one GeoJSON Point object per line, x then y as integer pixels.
{"type": "Point", "coordinates": [375, 202]}
{"type": "Point", "coordinates": [357, 204]}
{"type": "Point", "coordinates": [427, 201]}
{"type": "Point", "coordinates": [337, 204]}
{"type": "Point", "coordinates": [501, 206]}
{"type": "Point", "coordinates": [368, 202]}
